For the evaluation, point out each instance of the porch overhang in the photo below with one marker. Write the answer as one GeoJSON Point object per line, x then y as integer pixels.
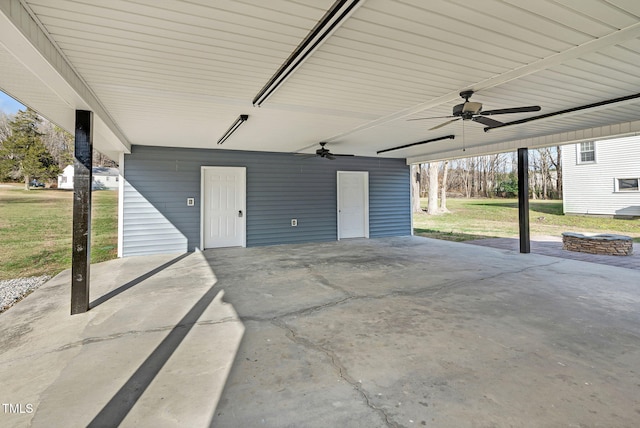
{"type": "Point", "coordinates": [36, 73]}
{"type": "Point", "coordinates": [178, 74]}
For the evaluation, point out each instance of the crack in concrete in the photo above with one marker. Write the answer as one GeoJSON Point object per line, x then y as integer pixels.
{"type": "Point", "coordinates": [453, 284]}
{"type": "Point", "coordinates": [114, 336]}
{"type": "Point", "coordinates": [338, 367]}
{"type": "Point", "coordinates": [278, 321]}
{"type": "Point", "coordinates": [421, 291]}
{"type": "Point", "coordinates": [299, 312]}
{"type": "Point", "coordinates": [90, 340]}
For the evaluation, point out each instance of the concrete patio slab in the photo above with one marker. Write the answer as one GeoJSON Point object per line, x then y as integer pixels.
{"type": "Point", "coordinates": [396, 332]}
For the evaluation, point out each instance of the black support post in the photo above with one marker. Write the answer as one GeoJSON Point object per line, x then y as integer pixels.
{"type": "Point", "coordinates": [523, 199]}
{"type": "Point", "coordinates": [81, 259]}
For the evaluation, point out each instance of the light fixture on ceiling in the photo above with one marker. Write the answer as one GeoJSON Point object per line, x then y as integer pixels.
{"type": "Point", "coordinates": [570, 111]}
{"type": "Point", "coordinates": [331, 20]}
{"type": "Point", "coordinates": [447, 137]}
{"type": "Point", "coordinates": [239, 121]}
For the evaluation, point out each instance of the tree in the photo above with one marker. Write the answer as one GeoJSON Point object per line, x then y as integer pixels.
{"type": "Point", "coordinates": [415, 188]}
{"type": "Point", "coordinates": [102, 160]}
{"type": "Point", "coordinates": [443, 191]}
{"type": "Point", "coordinates": [558, 166]}
{"type": "Point", "coordinates": [23, 154]}
{"type": "Point", "coordinates": [59, 143]}
{"type": "Point", "coordinates": [5, 129]}
{"type": "Point", "coordinates": [432, 207]}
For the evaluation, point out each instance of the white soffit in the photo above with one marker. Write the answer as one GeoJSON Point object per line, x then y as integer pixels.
{"type": "Point", "coordinates": [178, 73]}
{"type": "Point", "coordinates": [34, 72]}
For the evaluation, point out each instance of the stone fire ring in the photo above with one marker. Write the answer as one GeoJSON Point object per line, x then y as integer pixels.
{"type": "Point", "coordinates": [605, 244]}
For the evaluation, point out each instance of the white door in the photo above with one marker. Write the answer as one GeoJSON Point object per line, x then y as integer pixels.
{"type": "Point", "coordinates": [223, 206]}
{"type": "Point", "coordinates": [353, 204]}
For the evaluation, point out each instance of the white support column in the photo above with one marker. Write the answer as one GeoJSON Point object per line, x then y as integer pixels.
{"type": "Point", "coordinates": [121, 205]}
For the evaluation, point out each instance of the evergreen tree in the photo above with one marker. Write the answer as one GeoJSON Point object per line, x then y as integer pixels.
{"type": "Point", "coordinates": [23, 154]}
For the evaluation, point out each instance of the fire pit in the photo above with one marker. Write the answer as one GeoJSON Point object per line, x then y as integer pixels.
{"type": "Point", "coordinates": [605, 244]}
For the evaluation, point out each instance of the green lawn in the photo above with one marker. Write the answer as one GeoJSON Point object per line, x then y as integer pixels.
{"type": "Point", "coordinates": [490, 218]}
{"type": "Point", "coordinates": [36, 230]}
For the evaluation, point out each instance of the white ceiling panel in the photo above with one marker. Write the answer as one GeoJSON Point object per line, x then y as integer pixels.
{"type": "Point", "coordinates": [174, 72]}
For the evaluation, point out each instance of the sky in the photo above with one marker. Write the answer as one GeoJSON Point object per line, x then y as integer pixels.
{"type": "Point", "coordinates": [8, 104]}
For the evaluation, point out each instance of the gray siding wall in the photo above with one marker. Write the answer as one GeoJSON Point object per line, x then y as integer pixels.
{"type": "Point", "coordinates": [280, 187]}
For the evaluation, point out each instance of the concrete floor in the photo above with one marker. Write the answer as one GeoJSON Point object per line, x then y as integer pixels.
{"type": "Point", "coordinates": [396, 332]}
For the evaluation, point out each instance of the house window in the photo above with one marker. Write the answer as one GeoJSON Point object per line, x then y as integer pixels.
{"type": "Point", "coordinates": [587, 152]}
{"type": "Point", "coordinates": [628, 184]}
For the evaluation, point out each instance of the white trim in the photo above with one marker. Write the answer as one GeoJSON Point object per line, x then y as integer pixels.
{"type": "Point", "coordinates": [244, 201]}
{"type": "Point", "coordinates": [366, 200]}
{"type": "Point", "coordinates": [616, 185]}
{"type": "Point", "coordinates": [202, 168]}
{"type": "Point", "coordinates": [121, 205]}
{"type": "Point", "coordinates": [411, 196]}
{"type": "Point", "coordinates": [579, 152]}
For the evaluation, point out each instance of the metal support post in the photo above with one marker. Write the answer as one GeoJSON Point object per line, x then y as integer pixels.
{"type": "Point", "coordinates": [81, 258]}
{"type": "Point", "coordinates": [523, 199]}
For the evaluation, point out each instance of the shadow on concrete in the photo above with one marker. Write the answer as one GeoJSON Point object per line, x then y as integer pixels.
{"type": "Point", "coordinates": [135, 282]}
{"type": "Point", "coordinates": [114, 412]}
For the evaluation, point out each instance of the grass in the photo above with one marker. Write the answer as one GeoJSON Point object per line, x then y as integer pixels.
{"type": "Point", "coordinates": [36, 230]}
{"type": "Point", "coordinates": [498, 218]}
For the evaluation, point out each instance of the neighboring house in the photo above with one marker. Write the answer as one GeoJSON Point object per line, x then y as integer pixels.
{"type": "Point", "coordinates": [602, 177]}
{"type": "Point", "coordinates": [103, 178]}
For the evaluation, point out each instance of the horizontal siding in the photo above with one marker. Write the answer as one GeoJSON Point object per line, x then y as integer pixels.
{"type": "Point", "coordinates": [590, 188]}
{"type": "Point", "coordinates": [280, 187]}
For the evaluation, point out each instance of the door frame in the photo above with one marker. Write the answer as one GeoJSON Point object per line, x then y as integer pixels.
{"type": "Point", "coordinates": [365, 191]}
{"type": "Point", "coordinates": [244, 201]}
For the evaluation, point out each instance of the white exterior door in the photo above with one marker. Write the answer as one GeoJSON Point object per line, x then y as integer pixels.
{"type": "Point", "coordinates": [353, 204]}
{"type": "Point", "coordinates": [223, 207]}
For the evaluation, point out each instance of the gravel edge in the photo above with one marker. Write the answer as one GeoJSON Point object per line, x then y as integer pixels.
{"type": "Point", "coordinates": [14, 290]}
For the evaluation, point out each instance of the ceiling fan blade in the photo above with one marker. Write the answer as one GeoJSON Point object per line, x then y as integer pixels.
{"type": "Point", "coordinates": [332, 154]}
{"type": "Point", "coordinates": [510, 110]}
{"type": "Point", "coordinates": [436, 117]}
{"type": "Point", "coordinates": [329, 156]}
{"type": "Point", "coordinates": [444, 124]}
{"type": "Point", "coordinates": [486, 121]}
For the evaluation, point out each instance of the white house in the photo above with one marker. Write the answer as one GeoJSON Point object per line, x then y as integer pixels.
{"type": "Point", "coordinates": [602, 177]}
{"type": "Point", "coordinates": [103, 178]}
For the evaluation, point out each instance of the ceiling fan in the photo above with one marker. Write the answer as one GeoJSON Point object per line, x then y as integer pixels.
{"type": "Point", "coordinates": [322, 152]}
{"type": "Point", "coordinates": [470, 110]}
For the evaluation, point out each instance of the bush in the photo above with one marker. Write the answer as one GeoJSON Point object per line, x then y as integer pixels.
{"type": "Point", "coordinates": [507, 188]}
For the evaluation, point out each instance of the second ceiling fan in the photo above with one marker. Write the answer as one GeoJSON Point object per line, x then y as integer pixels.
{"type": "Point", "coordinates": [470, 110]}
